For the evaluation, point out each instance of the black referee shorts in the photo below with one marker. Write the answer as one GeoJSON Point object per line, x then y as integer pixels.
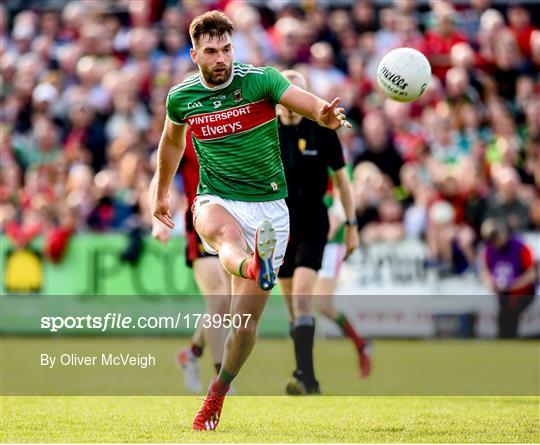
{"type": "Point", "coordinates": [308, 236]}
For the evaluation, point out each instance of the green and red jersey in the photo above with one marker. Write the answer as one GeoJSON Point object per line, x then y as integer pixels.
{"type": "Point", "coordinates": [234, 132]}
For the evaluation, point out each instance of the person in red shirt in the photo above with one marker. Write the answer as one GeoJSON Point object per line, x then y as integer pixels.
{"type": "Point", "coordinates": [520, 25]}
{"type": "Point", "coordinates": [439, 42]}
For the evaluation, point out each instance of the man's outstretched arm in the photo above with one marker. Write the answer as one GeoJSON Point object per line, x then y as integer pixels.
{"type": "Point", "coordinates": [170, 151]}
{"type": "Point", "coordinates": [308, 105]}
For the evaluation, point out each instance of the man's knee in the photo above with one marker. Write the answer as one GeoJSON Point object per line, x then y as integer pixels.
{"type": "Point", "coordinates": [302, 304]}
{"type": "Point", "coordinates": [246, 330]}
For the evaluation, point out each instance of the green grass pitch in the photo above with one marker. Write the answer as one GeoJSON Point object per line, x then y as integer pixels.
{"type": "Point", "coordinates": [273, 419]}
{"type": "Point", "coordinates": [420, 391]}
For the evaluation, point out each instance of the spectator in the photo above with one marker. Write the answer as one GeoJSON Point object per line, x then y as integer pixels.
{"type": "Point", "coordinates": [508, 65]}
{"type": "Point", "coordinates": [519, 20]}
{"type": "Point", "coordinates": [407, 135]}
{"type": "Point", "coordinates": [321, 70]}
{"type": "Point", "coordinates": [440, 40]}
{"type": "Point", "coordinates": [508, 270]}
{"type": "Point", "coordinates": [379, 148]}
{"type": "Point", "coordinates": [127, 110]}
{"type": "Point", "coordinates": [469, 19]}
{"type": "Point", "coordinates": [415, 194]}
{"type": "Point", "coordinates": [389, 226]}
{"type": "Point", "coordinates": [505, 203]}
{"type": "Point", "coordinates": [43, 147]}
{"type": "Point", "coordinates": [85, 139]}
{"type": "Point", "coordinates": [444, 144]}
{"type": "Point", "coordinates": [370, 188]}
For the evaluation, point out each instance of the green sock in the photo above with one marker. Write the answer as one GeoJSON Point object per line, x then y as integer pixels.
{"type": "Point", "coordinates": [225, 377]}
{"type": "Point", "coordinates": [341, 319]}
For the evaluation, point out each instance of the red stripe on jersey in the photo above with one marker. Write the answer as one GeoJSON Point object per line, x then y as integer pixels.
{"type": "Point", "coordinates": [218, 124]}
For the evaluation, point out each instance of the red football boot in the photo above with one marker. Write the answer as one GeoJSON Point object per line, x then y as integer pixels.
{"type": "Point", "coordinates": [207, 418]}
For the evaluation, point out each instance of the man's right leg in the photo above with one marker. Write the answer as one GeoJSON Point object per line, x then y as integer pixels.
{"type": "Point", "coordinates": [223, 233]}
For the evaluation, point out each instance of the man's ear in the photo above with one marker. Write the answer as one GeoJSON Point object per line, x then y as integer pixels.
{"type": "Point", "coordinates": [193, 54]}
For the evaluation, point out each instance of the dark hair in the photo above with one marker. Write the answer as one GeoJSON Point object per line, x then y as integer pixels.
{"type": "Point", "coordinates": [213, 23]}
{"type": "Point", "coordinates": [492, 228]}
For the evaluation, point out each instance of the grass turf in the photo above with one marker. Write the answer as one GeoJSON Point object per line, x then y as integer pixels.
{"type": "Point", "coordinates": [273, 419]}
{"type": "Point", "coordinates": [400, 368]}
{"type": "Point", "coordinates": [420, 391]}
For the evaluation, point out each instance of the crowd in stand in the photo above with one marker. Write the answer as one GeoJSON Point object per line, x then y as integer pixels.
{"type": "Point", "coordinates": [84, 85]}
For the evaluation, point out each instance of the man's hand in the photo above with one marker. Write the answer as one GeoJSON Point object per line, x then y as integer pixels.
{"type": "Point", "coordinates": [352, 239]}
{"type": "Point", "coordinates": [160, 232]}
{"type": "Point", "coordinates": [332, 117]}
{"type": "Point", "coordinates": [308, 105]}
{"type": "Point", "coordinates": [162, 212]}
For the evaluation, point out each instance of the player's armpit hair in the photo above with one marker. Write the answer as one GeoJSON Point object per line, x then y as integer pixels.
{"type": "Point", "coordinates": [213, 23]}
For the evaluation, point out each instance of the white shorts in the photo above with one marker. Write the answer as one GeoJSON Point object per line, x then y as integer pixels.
{"type": "Point", "coordinates": [249, 215]}
{"type": "Point", "coordinates": [332, 259]}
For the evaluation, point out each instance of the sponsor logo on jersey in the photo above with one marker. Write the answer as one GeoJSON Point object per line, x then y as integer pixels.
{"type": "Point", "coordinates": [274, 186]}
{"type": "Point", "coordinates": [217, 101]}
{"type": "Point", "coordinates": [193, 105]}
{"type": "Point", "coordinates": [238, 119]}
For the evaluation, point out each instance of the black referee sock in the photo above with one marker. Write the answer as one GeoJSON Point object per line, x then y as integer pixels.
{"type": "Point", "coordinates": [304, 333]}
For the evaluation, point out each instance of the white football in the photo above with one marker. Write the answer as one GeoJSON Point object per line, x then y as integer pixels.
{"type": "Point", "coordinates": [404, 74]}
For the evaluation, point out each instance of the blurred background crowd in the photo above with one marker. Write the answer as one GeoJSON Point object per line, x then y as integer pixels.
{"type": "Point", "coordinates": [84, 84]}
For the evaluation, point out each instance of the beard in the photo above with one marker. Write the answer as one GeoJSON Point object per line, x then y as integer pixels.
{"type": "Point", "coordinates": [213, 77]}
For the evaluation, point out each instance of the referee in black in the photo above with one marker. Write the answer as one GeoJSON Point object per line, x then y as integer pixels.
{"type": "Point", "coordinates": [308, 151]}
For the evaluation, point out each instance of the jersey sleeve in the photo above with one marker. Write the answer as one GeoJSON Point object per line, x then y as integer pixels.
{"type": "Point", "coordinates": [527, 258]}
{"type": "Point", "coordinates": [274, 84]}
{"type": "Point", "coordinates": [173, 109]}
{"type": "Point", "coordinates": [333, 149]}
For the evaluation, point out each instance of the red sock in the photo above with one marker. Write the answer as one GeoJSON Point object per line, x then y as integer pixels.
{"type": "Point", "coordinates": [196, 350]}
{"type": "Point", "coordinates": [221, 383]}
{"type": "Point", "coordinates": [251, 269]}
{"type": "Point", "coordinates": [350, 332]}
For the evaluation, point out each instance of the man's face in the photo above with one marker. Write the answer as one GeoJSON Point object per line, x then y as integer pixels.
{"type": "Point", "coordinates": [214, 55]}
